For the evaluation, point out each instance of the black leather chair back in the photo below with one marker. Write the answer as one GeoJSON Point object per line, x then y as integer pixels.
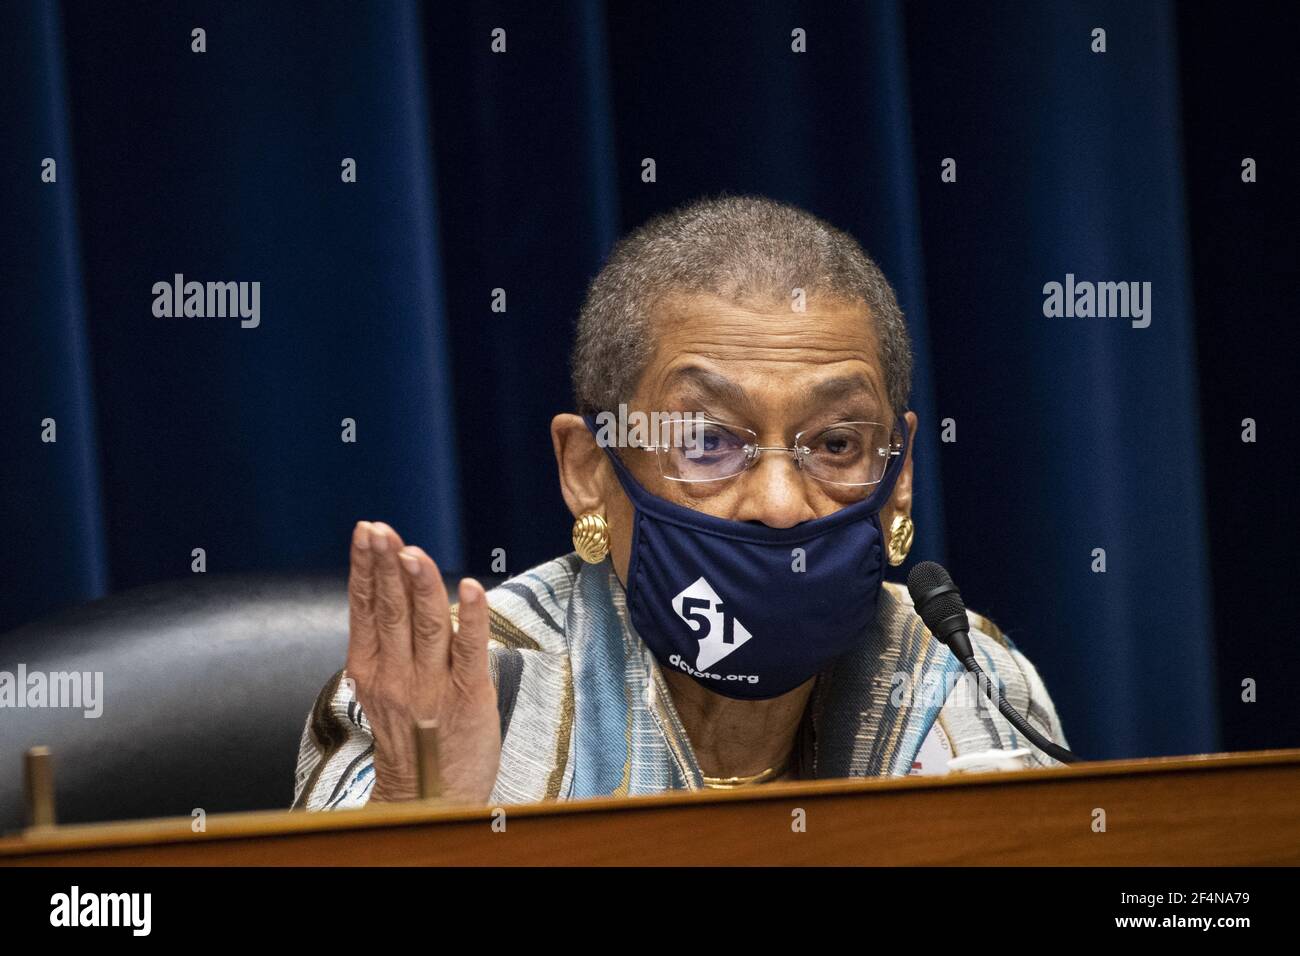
{"type": "Point", "coordinates": [207, 683]}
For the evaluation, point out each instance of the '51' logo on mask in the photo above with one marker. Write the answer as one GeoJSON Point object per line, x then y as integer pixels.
{"type": "Point", "coordinates": [709, 617]}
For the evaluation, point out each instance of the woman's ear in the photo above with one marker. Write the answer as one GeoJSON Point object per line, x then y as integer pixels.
{"type": "Point", "coordinates": [584, 470]}
{"type": "Point", "coordinates": [900, 502]}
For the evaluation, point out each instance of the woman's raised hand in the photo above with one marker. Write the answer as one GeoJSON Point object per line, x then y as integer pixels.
{"type": "Point", "coordinates": [409, 663]}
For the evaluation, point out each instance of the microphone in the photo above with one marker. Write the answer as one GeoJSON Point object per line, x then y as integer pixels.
{"type": "Point", "coordinates": [940, 605]}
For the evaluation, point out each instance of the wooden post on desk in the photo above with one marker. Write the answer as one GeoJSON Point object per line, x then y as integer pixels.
{"type": "Point", "coordinates": [38, 774]}
{"type": "Point", "coordinates": [426, 750]}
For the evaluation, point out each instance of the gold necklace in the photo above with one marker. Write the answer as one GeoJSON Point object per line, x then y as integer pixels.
{"type": "Point", "coordinates": [731, 783]}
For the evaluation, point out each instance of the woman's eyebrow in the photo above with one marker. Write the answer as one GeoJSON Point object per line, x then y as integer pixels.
{"type": "Point", "coordinates": [709, 384]}
{"type": "Point", "coordinates": [842, 387]}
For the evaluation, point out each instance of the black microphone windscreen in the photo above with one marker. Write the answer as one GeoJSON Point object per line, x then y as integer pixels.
{"type": "Point", "coordinates": [924, 578]}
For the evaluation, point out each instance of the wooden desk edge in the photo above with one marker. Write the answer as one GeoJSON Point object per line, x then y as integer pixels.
{"type": "Point", "coordinates": [270, 823]}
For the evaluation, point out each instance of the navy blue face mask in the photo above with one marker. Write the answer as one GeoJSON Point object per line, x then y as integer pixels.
{"type": "Point", "coordinates": [749, 611]}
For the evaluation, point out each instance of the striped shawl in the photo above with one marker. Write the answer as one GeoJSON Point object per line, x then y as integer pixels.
{"type": "Point", "coordinates": [585, 711]}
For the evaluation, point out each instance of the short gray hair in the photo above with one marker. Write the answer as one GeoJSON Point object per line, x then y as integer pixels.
{"type": "Point", "coordinates": [742, 249]}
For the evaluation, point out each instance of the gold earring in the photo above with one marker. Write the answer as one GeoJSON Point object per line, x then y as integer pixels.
{"type": "Point", "coordinates": [591, 537]}
{"type": "Point", "coordinates": [901, 532]}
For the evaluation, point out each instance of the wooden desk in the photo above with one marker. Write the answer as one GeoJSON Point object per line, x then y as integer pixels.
{"type": "Point", "coordinates": [1220, 809]}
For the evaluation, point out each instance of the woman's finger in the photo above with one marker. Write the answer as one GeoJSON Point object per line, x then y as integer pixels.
{"type": "Point", "coordinates": [363, 638]}
{"type": "Point", "coordinates": [430, 616]}
{"type": "Point", "coordinates": [392, 610]}
{"type": "Point", "coordinates": [469, 645]}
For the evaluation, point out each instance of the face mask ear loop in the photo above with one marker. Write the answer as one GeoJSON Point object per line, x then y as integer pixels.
{"type": "Point", "coordinates": [893, 480]}
{"type": "Point", "coordinates": [889, 479]}
{"type": "Point", "coordinates": [621, 472]}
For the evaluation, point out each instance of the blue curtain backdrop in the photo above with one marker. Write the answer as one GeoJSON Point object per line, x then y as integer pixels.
{"type": "Point", "coordinates": [479, 171]}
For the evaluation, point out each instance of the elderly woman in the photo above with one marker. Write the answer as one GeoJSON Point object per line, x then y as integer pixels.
{"type": "Point", "coordinates": [722, 620]}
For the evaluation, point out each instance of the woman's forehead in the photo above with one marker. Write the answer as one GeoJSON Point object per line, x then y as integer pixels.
{"type": "Point", "coordinates": [721, 350]}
